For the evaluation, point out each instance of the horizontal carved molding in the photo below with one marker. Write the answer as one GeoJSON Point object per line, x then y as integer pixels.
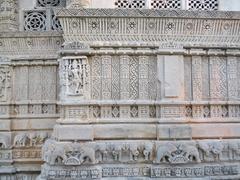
{"type": "Point", "coordinates": [62, 12]}
{"type": "Point", "coordinates": [150, 26]}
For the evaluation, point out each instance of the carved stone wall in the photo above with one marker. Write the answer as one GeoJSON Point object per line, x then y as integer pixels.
{"type": "Point", "coordinates": [121, 93]}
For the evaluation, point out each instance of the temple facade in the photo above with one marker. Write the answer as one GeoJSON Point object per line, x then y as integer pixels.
{"type": "Point", "coordinates": [119, 89]}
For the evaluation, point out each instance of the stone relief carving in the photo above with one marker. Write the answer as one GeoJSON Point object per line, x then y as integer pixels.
{"type": "Point", "coordinates": [70, 154]}
{"type": "Point", "coordinates": [75, 74]}
{"type": "Point", "coordinates": [177, 154]}
{"type": "Point", "coordinates": [5, 79]}
{"type": "Point", "coordinates": [30, 139]}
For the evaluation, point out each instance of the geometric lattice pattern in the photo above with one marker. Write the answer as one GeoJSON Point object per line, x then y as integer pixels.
{"type": "Point", "coordinates": [166, 4]}
{"type": "Point", "coordinates": [203, 4]}
{"type": "Point", "coordinates": [55, 23]}
{"type": "Point", "coordinates": [130, 3]}
{"type": "Point", "coordinates": [35, 21]}
{"type": "Point", "coordinates": [47, 3]}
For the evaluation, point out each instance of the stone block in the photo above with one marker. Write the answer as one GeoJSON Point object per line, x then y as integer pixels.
{"type": "Point", "coordinates": [125, 131]}
{"type": "Point", "coordinates": [73, 132]}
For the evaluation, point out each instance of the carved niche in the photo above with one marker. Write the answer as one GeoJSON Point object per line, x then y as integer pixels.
{"type": "Point", "coordinates": [74, 73]}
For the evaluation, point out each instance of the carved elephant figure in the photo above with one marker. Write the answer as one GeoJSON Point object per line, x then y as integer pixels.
{"type": "Point", "coordinates": [87, 153]}
{"type": "Point", "coordinates": [3, 142]}
{"type": "Point", "coordinates": [56, 155]}
{"type": "Point", "coordinates": [234, 146]}
{"type": "Point", "coordinates": [191, 152]}
{"type": "Point", "coordinates": [134, 152]}
{"type": "Point", "coordinates": [21, 139]}
{"type": "Point", "coordinates": [147, 151]}
{"type": "Point", "coordinates": [164, 151]}
{"type": "Point", "coordinates": [214, 147]}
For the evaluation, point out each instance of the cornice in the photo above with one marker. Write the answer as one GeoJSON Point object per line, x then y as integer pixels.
{"type": "Point", "coordinates": [170, 29]}
{"type": "Point", "coordinates": [62, 12]}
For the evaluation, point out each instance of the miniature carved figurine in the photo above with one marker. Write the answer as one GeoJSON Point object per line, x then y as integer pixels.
{"type": "Point", "coordinates": [134, 152]}
{"type": "Point", "coordinates": [117, 152]}
{"type": "Point", "coordinates": [102, 149]}
{"type": "Point", "coordinates": [147, 151]}
{"type": "Point", "coordinates": [21, 139]}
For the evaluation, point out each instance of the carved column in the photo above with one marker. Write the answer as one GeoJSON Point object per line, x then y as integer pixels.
{"type": "Point", "coordinates": [8, 15]}
{"type": "Point", "coordinates": [75, 4]}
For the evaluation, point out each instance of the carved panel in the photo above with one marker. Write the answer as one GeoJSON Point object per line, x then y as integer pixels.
{"type": "Point", "coordinates": [218, 78]}
{"type": "Point", "coordinates": [75, 74]}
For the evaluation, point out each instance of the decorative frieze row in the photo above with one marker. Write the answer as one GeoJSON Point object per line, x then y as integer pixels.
{"type": "Point", "coordinates": [81, 113]}
{"type": "Point", "coordinates": [144, 171]}
{"type": "Point", "coordinates": [150, 27]}
{"type": "Point", "coordinates": [156, 152]}
{"type": "Point", "coordinates": [43, 45]}
{"type": "Point", "coordinates": [24, 139]}
{"type": "Point", "coordinates": [38, 109]}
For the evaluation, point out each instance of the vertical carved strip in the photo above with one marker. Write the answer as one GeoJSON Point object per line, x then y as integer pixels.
{"type": "Point", "coordinates": [197, 77]}
{"type": "Point", "coordinates": [143, 77]}
{"type": "Point", "coordinates": [218, 78]}
{"type": "Point", "coordinates": [34, 82]}
{"type": "Point", "coordinates": [106, 77]}
{"type": "Point", "coordinates": [115, 78]}
{"type": "Point", "coordinates": [134, 78]}
{"type": "Point", "coordinates": [5, 82]}
{"type": "Point", "coordinates": [187, 78]}
{"type": "Point", "coordinates": [96, 77]}
{"type": "Point", "coordinates": [232, 67]}
{"type": "Point", "coordinates": [49, 83]}
{"type": "Point", "coordinates": [124, 76]}
{"type": "Point", "coordinates": [20, 91]}
{"type": "Point", "coordinates": [152, 79]}
{"type": "Point", "coordinates": [205, 78]}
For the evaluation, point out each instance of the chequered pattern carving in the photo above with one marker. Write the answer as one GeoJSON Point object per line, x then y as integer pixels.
{"type": "Point", "coordinates": [130, 3]}
{"type": "Point", "coordinates": [166, 4]}
{"type": "Point", "coordinates": [203, 4]}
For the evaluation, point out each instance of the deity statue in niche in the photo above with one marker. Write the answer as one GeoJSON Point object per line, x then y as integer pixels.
{"type": "Point", "coordinates": [77, 76]}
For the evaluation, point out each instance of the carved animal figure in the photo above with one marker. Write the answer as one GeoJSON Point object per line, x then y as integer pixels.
{"type": "Point", "coordinates": [164, 152]}
{"type": "Point", "coordinates": [87, 153]}
{"type": "Point", "coordinates": [134, 152]}
{"type": "Point", "coordinates": [211, 147]}
{"type": "Point", "coordinates": [56, 155]}
{"type": "Point", "coordinates": [147, 151]}
{"type": "Point", "coordinates": [191, 152]}
{"type": "Point", "coordinates": [234, 146]}
{"type": "Point", "coordinates": [21, 139]}
{"type": "Point", "coordinates": [3, 142]}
